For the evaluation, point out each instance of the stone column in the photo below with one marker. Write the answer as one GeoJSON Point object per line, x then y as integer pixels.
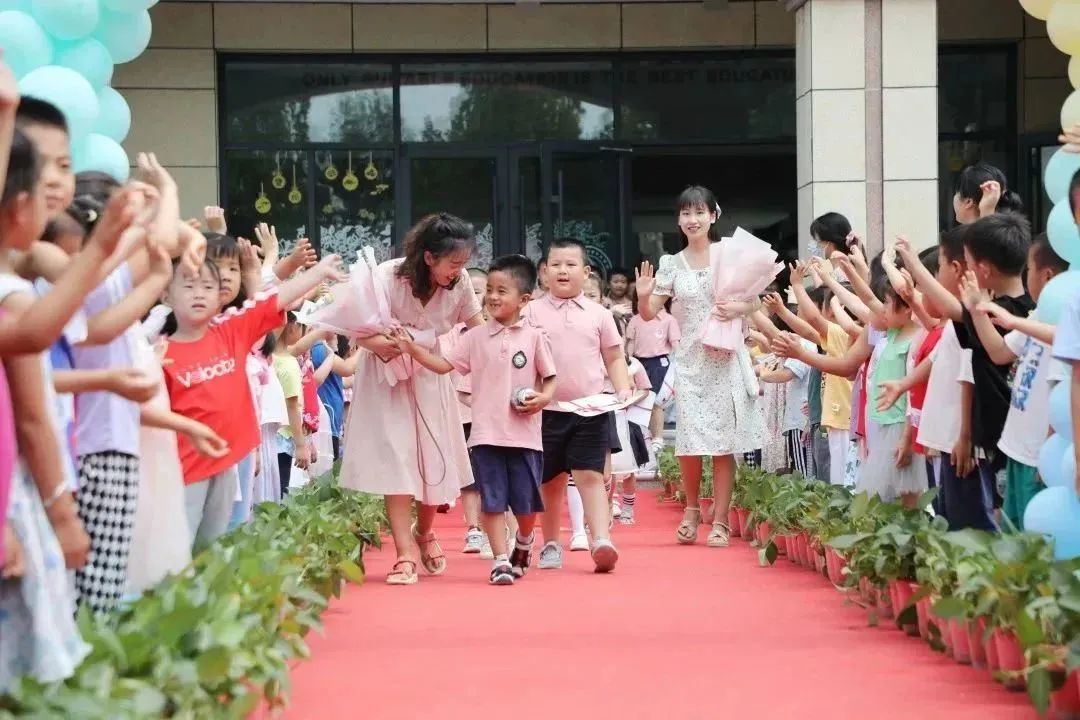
{"type": "Point", "coordinates": [866, 109]}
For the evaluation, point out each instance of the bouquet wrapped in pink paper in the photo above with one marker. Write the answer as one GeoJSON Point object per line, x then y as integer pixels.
{"type": "Point", "coordinates": [361, 308]}
{"type": "Point", "coordinates": [742, 267]}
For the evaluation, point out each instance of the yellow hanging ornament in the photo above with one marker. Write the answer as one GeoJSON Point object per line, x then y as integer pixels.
{"type": "Point", "coordinates": [294, 195]}
{"type": "Point", "coordinates": [350, 182]}
{"type": "Point", "coordinates": [371, 172]}
{"type": "Point", "coordinates": [262, 203]}
{"type": "Point", "coordinates": [278, 178]}
{"type": "Point", "coordinates": [331, 172]}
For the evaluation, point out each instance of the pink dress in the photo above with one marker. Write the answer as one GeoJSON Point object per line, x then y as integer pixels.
{"type": "Point", "coordinates": [7, 454]}
{"type": "Point", "coordinates": [407, 439]}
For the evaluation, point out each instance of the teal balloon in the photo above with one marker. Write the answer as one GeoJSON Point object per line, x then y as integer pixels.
{"type": "Point", "coordinates": [1059, 174]}
{"type": "Point", "coordinates": [1060, 410]}
{"type": "Point", "coordinates": [126, 35]}
{"type": "Point", "coordinates": [20, 5]}
{"type": "Point", "coordinates": [104, 155]}
{"type": "Point", "coordinates": [128, 6]}
{"type": "Point", "coordinates": [26, 45]}
{"type": "Point", "coordinates": [69, 91]}
{"type": "Point", "coordinates": [1055, 512]}
{"type": "Point", "coordinates": [67, 19]}
{"type": "Point", "coordinates": [89, 58]}
{"type": "Point", "coordinates": [1052, 456]}
{"type": "Point", "coordinates": [114, 115]}
{"type": "Point", "coordinates": [1063, 234]}
{"type": "Point", "coordinates": [1056, 295]}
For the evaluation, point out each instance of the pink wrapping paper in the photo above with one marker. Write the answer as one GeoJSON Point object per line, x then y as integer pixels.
{"type": "Point", "coordinates": [742, 267]}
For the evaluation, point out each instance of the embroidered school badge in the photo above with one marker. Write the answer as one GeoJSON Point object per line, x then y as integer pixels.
{"type": "Point", "coordinates": [519, 360]}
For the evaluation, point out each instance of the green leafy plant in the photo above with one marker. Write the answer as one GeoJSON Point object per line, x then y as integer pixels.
{"type": "Point", "coordinates": [216, 640]}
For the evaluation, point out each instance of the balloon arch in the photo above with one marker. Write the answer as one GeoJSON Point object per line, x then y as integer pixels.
{"type": "Point", "coordinates": [64, 51]}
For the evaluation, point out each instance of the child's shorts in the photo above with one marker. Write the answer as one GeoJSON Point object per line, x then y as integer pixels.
{"type": "Point", "coordinates": [573, 442]}
{"type": "Point", "coordinates": [508, 479]}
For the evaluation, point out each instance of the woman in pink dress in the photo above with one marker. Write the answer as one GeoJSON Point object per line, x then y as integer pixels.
{"type": "Point", "coordinates": [405, 441]}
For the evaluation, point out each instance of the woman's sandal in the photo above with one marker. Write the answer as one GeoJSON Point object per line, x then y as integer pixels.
{"type": "Point", "coordinates": [720, 536]}
{"type": "Point", "coordinates": [403, 573]}
{"type": "Point", "coordinates": [431, 554]}
{"type": "Point", "coordinates": [688, 528]}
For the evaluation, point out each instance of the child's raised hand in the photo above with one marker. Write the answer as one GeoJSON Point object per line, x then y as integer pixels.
{"type": "Point", "coordinates": [644, 280]}
{"type": "Point", "coordinates": [991, 194]}
{"type": "Point", "coordinates": [249, 255]}
{"type": "Point", "coordinates": [9, 89]}
{"type": "Point", "coordinates": [853, 240]}
{"type": "Point", "coordinates": [332, 269]}
{"type": "Point", "coordinates": [773, 302]}
{"type": "Point", "coordinates": [206, 441]}
{"type": "Point", "coordinates": [970, 292]}
{"type": "Point", "coordinates": [797, 271]}
{"type": "Point", "coordinates": [303, 255]}
{"type": "Point", "coordinates": [786, 345]}
{"type": "Point", "coordinates": [903, 248]}
{"type": "Point", "coordinates": [215, 219]}
{"type": "Point", "coordinates": [194, 253]}
{"type": "Point", "coordinates": [268, 240]}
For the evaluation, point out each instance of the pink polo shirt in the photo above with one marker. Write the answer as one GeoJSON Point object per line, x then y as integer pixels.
{"type": "Point", "coordinates": [500, 359]}
{"type": "Point", "coordinates": [653, 338]}
{"type": "Point", "coordinates": [447, 343]}
{"type": "Point", "coordinates": [578, 330]}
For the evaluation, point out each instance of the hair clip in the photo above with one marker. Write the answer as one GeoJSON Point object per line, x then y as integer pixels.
{"type": "Point", "coordinates": [719, 212]}
{"type": "Point", "coordinates": [91, 216]}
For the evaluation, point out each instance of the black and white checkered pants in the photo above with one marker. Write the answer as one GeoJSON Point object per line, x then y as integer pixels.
{"type": "Point", "coordinates": [797, 451]}
{"type": "Point", "coordinates": [108, 492]}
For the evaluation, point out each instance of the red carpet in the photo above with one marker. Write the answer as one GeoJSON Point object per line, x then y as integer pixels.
{"type": "Point", "coordinates": [675, 633]}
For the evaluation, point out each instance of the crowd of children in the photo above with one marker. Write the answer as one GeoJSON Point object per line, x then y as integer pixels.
{"type": "Point", "coordinates": [151, 365]}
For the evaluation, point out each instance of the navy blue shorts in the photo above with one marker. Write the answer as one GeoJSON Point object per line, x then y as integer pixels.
{"type": "Point", "coordinates": [573, 442]}
{"type": "Point", "coordinates": [656, 368]}
{"type": "Point", "coordinates": [508, 479]}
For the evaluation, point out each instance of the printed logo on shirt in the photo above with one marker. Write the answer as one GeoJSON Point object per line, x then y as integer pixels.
{"type": "Point", "coordinates": [205, 373]}
{"type": "Point", "coordinates": [519, 360]}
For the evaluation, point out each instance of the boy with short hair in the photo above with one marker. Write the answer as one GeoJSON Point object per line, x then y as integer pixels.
{"type": "Point", "coordinates": [46, 127]}
{"type": "Point", "coordinates": [513, 378]}
{"type": "Point", "coordinates": [584, 340]}
{"type": "Point", "coordinates": [1029, 412]}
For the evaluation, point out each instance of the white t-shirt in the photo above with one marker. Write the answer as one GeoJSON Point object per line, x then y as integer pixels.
{"type": "Point", "coordinates": [940, 429]}
{"type": "Point", "coordinates": [794, 419]}
{"type": "Point", "coordinates": [274, 414]}
{"type": "Point", "coordinates": [1026, 425]}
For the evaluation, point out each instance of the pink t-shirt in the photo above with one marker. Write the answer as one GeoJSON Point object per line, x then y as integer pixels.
{"type": "Point", "coordinates": [447, 343]}
{"type": "Point", "coordinates": [500, 359]}
{"type": "Point", "coordinates": [653, 338]}
{"type": "Point", "coordinates": [578, 331]}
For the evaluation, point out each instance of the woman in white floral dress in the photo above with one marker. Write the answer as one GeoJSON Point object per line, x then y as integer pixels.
{"type": "Point", "coordinates": [715, 415]}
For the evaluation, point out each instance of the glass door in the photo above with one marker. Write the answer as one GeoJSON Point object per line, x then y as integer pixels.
{"type": "Point", "coordinates": [466, 184]}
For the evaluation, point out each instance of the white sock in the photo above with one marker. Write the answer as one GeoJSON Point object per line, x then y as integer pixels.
{"type": "Point", "coordinates": [577, 510]}
{"type": "Point", "coordinates": [501, 560]}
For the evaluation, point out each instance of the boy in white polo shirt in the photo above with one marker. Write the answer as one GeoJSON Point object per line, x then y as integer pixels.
{"type": "Point", "coordinates": [512, 377]}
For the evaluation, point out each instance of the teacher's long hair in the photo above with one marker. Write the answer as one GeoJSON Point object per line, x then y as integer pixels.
{"type": "Point", "coordinates": [440, 234]}
{"type": "Point", "coordinates": [698, 196]}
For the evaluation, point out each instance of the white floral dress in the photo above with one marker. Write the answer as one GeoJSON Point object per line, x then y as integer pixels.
{"type": "Point", "coordinates": [714, 415]}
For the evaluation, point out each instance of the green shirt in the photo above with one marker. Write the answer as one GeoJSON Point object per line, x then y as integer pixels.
{"type": "Point", "coordinates": [891, 364]}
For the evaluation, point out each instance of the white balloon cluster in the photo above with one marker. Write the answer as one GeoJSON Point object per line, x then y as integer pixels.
{"type": "Point", "coordinates": [63, 51]}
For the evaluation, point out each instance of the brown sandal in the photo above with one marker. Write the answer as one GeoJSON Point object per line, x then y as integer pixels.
{"type": "Point", "coordinates": [720, 536]}
{"type": "Point", "coordinates": [403, 573]}
{"type": "Point", "coordinates": [688, 528]}
{"type": "Point", "coordinates": [431, 554]}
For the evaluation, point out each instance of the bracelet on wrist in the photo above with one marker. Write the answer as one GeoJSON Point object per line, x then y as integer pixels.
{"type": "Point", "coordinates": [58, 492]}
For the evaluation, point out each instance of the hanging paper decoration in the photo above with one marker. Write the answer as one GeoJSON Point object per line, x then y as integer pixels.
{"type": "Point", "coordinates": [262, 203]}
{"type": "Point", "coordinates": [371, 172]}
{"type": "Point", "coordinates": [277, 180]}
{"type": "Point", "coordinates": [294, 195]}
{"type": "Point", "coordinates": [350, 182]}
{"type": "Point", "coordinates": [331, 172]}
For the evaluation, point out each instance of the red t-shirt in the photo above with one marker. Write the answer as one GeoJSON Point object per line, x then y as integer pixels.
{"type": "Point", "coordinates": [310, 388]}
{"type": "Point", "coordinates": [917, 394]}
{"type": "Point", "coordinates": [207, 381]}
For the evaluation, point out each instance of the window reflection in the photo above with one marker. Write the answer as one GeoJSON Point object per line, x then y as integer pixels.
{"type": "Point", "coordinates": [973, 91]}
{"type": "Point", "coordinates": [354, 202]}
{"type": "Point", "coordinates": [270, 187]}
{"type": "Point", "coordinates": [506, 102]}
{"type": "Point", "coordinates": [309, 103]}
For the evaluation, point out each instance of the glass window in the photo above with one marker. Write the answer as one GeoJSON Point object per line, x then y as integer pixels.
{"type": "Point", "coordinates": [354, 202]}
{"type": "Point", "coordinates": [465, 186]}
{"type": "Point", "coordinates": [270, 187]}
{"type": "Point", "coordinates": [955, 155]}
{"type": "Point", "coordinates": [719, 100]}
{"type": "Point", "coordinates": [308, 102]}
{"type": "Point", "coordinates": [506, 101]}
{"type": "Point", "coordinates": [974, 91]}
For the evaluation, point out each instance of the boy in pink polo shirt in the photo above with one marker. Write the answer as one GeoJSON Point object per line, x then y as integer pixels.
{"type": "Point", "coordinates": [584, 341]}
{"type": "Point", "coordinates": [512, 376]}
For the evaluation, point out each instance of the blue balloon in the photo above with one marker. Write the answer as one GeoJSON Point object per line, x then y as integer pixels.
{"type": "Point", "coordinates": [1063, 234]}
{"type": "Point", "coordinates": [1056, 296]}
{"type": "Point", "coordinates": [67, 90]}
{"type": "Point", "coordinates": [26, 46]}
{"type": "Point", "coordinates": [89, 58]}
{"type": "Point", "coordinates": [128, 6]}
{"type": "Point", "coordinates": [1059, 173]}
{"type": "Point", "coordinates": [67, 19]}
{"type": "Point", "coordinates": [126, 35]}
{"type": "Point", "coordinates": [114, 116]}
{"type": "Point", "coordinates": [1060, 410]}
{"type": "Point", "coordinates": [104, 155]}
{"type": "Point", "coordinates": [1055, 512]}
{"type": "Point", "coordinates": [1052, 461]}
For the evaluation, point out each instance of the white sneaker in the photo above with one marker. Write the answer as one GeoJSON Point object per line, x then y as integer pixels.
{"type": "Point", "coordinates": [485, 549]}
{"type": "Point", "coordinates": [579, 543]}
{"type": "Point", "coordinates": [604, 555]}
{"type": "Point", "coordinates": [474, 541]}
{"type": "Point", "coordinates": [616, 509]}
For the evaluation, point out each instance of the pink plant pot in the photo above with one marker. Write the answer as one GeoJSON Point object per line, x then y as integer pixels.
{"type": "Point", "coordinates": [733, 522]}
{"type": "Point", "coordinates": [1065, 703]}
{"type": "Point", "coordinates": [976, 628]}
{"type": "Point", "coordinates": [960, 641]}
{"type": "Point", "coordinates": [1010, 658]}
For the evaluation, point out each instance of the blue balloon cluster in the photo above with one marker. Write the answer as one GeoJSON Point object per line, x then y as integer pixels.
{"type": "Point", "coordinates": [64, 51]}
